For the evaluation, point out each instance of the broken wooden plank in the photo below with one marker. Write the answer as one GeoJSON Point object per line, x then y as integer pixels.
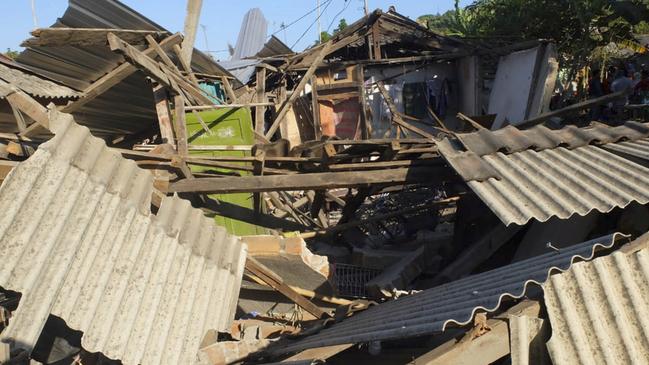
{"type": "Point", "coordinates": [27, 105]}
{"type": "Point", "coordinates": [185, 65]}
{"type": "Point", "coordinates": [180, 125]}
{"type": "Point", "coordinates": [571, 109]}
{"type": "Point", "coordinates": [6, 167]}
{"type": "Point", "coordinates": [161, 98]}
{"type": "Point", "coordinates": [20, 120]}
{"type": "Point", "coordinates": [114, 77]}
{"type": "Point", "coordinates": [276, 282]}
{"type": "Point", "coordinates": [161, 53]}
{"type": "Point", "coordinates": [483, 349]}
{"type": "Point", "coordinates": [228, 90]}
{"type": "Point", "coordinates": [283, 109]}
{"type": "Point", "coordinates": [320, 354]}
{"type": "Point", "coordinates": [162, 73]}
{"type": "Point", "coordinates": [310, 181]}
{"type": "Point", "coordinates": [87, 37]}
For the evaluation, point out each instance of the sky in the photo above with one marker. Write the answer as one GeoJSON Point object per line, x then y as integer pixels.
{"type": "Point", "coordinates": [220, 20]}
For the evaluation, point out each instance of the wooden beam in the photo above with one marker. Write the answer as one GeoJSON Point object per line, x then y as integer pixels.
{"type": "Point", "coordinates": [283, 109]}
{"type": "Point", "coordinates": [87, 37]}
{"type": "Point", "coordinates": [114, 77]}
{"type": "Point", "coordinates": [180, 125]}
{"type": "Point", "coordinates": [310, 181]}
{"type": "Point", "coordinates": [226, 106]}
{"type": "Point", "coordinates": [396, 116]}
{"type": "Point", "coordinates": [187, 66]}
{"type": "Point", "coordinates": [228, 90]}
{"type": "Point", "coordinates": [191, 24]}
{"type": "Point", "coordinates": [571, 108]}
{"type": "Point", "coordinates": [478, 349]}
{"type": "Point", "coordinates": [30, 107]}
{"type": "Point", "coordinates": [276, 282]}
{"type": "Point", "coordinates": [261, 98]}
{"type": "Point", "coordinates": [20, 120]}
{"type": "Point", "coordinates": [320, 354]}
{"type": "Point", "coordinates": [161, 53]}
{"type": "Point", "coordinates": [161, 98]}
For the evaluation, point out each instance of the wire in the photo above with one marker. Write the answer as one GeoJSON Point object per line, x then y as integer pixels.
{"type": "Point", "coordinates": [313, 23]}
{"type": "Point", "coordinates": [293, 22]}
{"type": "Point", "coordinates": [347, 2]}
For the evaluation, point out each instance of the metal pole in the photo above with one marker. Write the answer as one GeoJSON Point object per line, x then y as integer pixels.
{"type": "Point", "coordinates": [34, 14]}
{"type": "Point", "coordinates": [367, 8]}
{"type": "Point", "coordinates": [319, 30]}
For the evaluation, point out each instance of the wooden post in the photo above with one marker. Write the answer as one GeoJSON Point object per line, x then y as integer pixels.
{"type": "Point", "coordinates": [317, 129]}
{"type": "Point", "coordinates": [191, 25]}
{"type": "Point", "coordinates": [298, 89]}
{"type": "Point", "coordinates": [228, 90]}
{"type": "Point", "coordinates": [180, 125]}
{"type": "Point", "coordinates": [362, 100]}
{"type": "Point", "coordinates": [261, 98]}
{"type": "Point", "coordinates": [376, 40]}
{"type": "Point", "coordinates": [161, 98]}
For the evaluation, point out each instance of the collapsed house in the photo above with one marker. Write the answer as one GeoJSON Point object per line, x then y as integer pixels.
{"type": "Point", "coordinates": [390, 195]}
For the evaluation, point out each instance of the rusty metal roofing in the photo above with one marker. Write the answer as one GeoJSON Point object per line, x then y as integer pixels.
{"type": "Point", "coordinates": [33, 85]}
{"type": "Point", "coordinates": [432, 310]}
{"type": "Point", "coordinates": [511, 139]}
{"type": "Point", "coordinates": [560, 182]}
{"type": "Point", "coordinates": [599, 311]}
{"type": "Point", "coordinates": [78, 240]}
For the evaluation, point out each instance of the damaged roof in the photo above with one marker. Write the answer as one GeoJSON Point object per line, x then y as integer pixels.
{"type": "Point", "coordinates": [432, 310]}
{"type": "Point", "coordinates": [14, 74]}
{"type": "Point", "coordinates": [127, 107]}
{"type": "Point", "coordinates": [599, 311]}
{"type": "Point", "coordinates": [78, 240]}
{"type": "Point", "coordinates": [397, 34]}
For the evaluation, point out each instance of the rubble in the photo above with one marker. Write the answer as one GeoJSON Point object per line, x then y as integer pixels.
{"type": "Point", "coordinates": [389, 195]}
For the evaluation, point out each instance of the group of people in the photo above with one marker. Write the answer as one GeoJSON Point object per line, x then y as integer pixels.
{"type": "Point", "coordinates": [615, 80]}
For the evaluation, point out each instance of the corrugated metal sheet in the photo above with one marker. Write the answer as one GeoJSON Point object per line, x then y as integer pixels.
{"type": "Point", "coordinates": [127, 107]}
{"type": "Point", "coordinates": [560, 182]}
{"type": "Point", "coordinates": [274, 47]}
{"type": "Point", "coordinates": [430, 311]}
{"type": "Point", "coordinates": [599, 311]}
{"type": "Point", "coordinates": [511, 139]}
{"type": "Point", "coordinates": [34, 85]}
{"type": "Point", "coordinates": [78, 240]}
{"type": "Point", "coordinates": [243, 70]}
{"type": "Point", "coordinates": [252, 35]}
{"type": "Point", "coordinates": [638, 149]}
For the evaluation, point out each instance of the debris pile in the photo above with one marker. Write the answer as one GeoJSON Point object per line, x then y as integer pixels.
{"type": "Point", "coordinates": [389, 195]}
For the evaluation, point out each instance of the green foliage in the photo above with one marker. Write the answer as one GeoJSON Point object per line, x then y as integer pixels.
{"type": "Point", "coordinates": [11, 53]}
{"type": "Point", "coordinates": [641, 28]}
{"type": "Point", "coordinates": [581, 29]}
{"type": "Point", "coordinates": [325, 36]}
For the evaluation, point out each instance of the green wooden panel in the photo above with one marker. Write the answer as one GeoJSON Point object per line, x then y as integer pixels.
{"type": "Point", "coordinates": [228, 127]}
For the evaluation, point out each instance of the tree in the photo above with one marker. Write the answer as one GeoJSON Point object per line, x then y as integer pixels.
{"type": "Point", "coordinates": [325, 36]}
{"type": "Point", "coordinates": [11, 53]}
{"type": "Point", "coordinates": [581, 29]}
